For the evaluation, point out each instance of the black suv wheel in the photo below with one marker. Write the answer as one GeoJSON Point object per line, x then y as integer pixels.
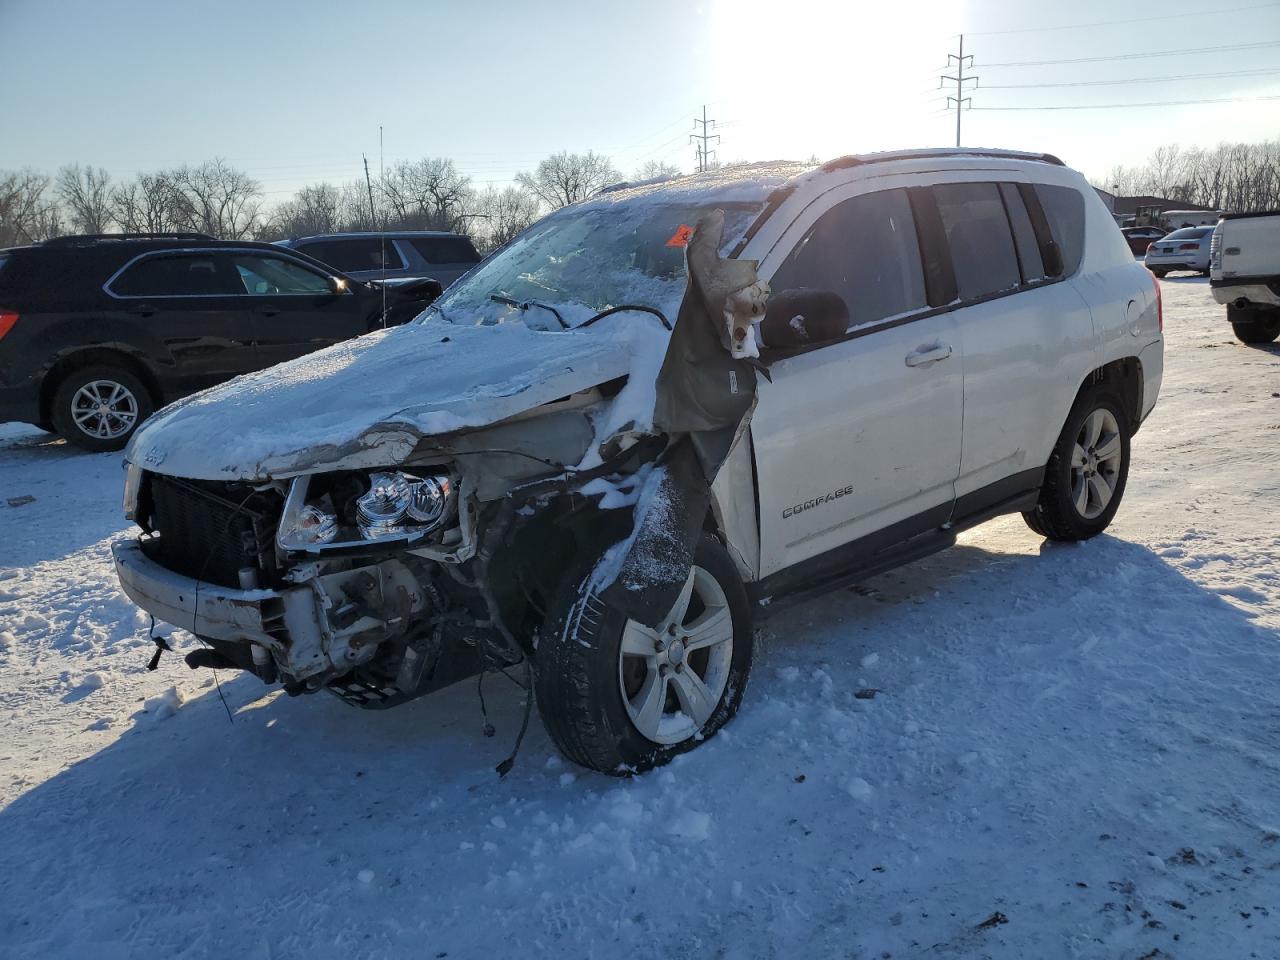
{"type": "Point", "coordinates": [98, 407]}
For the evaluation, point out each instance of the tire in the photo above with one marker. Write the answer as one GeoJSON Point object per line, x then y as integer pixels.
{"type": "Point", "coordinates": [1160, 272]}
{"type": "Point", "coordinates": [1254, 326]}
{"type": "Point", "coordinates": [1058, 515]}
{"type": "Point", "coordinates": [124, 396]}
{"type": "Point", "coordinates": [591, 693]}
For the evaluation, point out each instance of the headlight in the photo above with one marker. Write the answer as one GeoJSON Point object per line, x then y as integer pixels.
{"type": "Point", "coordinates": [399, 503]}
{"type": "Point", "coordinates": [309, 526]}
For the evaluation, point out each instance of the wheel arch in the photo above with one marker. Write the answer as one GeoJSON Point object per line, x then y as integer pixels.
{"type": "Point", "coordinates": [92, 356]}
{"type": "Point", "coordinates": [1124, 376]}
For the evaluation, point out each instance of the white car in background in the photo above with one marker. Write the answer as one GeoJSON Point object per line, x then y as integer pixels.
{"type": "Point", "coordinates": [510, 482]}
{"type": "Point", "coordinates": [1184, 249]}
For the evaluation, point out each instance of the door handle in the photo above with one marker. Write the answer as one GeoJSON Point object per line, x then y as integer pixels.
{"type": "Point", "coordinates": [143, 310]}
{"type": "Point", "coordinates": [269, 311]}
{"type": "Point", "coordinates": [926, 354]}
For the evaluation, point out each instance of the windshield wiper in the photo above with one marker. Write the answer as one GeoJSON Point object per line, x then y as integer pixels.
{"type": "Point", "coordinates": [526, 304]}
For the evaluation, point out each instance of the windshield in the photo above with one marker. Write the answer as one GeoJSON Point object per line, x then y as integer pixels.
{"type": "Point", "coordinates": [583, 260]}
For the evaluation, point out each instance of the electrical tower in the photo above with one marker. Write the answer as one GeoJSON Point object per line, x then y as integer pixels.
{"type": "Point", "coordinates": [703, 151]}
{"type": "Point", "coordinates": [960, 100]}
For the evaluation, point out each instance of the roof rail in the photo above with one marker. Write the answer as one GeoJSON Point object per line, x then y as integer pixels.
{"type": "Point", "coordinates": [856, 160]}
{"type": "Point", "coordinates": [75, 239]}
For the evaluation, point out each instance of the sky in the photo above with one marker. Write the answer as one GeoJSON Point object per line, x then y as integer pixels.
{"type": "Point", "coordinates": [296, 92]}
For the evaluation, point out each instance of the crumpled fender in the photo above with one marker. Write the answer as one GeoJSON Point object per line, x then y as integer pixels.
{"type": "Point", "coordinates": [706, 391]}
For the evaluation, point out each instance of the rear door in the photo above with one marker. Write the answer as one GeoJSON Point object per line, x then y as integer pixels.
{"type": "Point", "coordinates": [292, 307]}
{"type": "Point", "coordinates": [860, 435]}
{"type": "Point", "coordinates": [1026, 337]}
{"type": "Point", "coordinates": [193, 303]}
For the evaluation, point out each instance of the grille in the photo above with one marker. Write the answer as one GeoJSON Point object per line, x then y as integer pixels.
{"type": "Point", "coordinates": [206, 534]}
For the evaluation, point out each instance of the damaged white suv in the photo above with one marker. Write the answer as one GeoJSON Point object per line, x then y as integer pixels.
{"type": "Point", "coordinates": [649, 419]}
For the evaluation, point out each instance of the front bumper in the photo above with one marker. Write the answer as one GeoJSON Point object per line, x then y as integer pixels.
{"type": "Point", "coordinates": [321, 628]}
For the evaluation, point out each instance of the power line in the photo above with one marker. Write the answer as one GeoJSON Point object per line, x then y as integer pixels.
{"type": "Point", "coordinates": [1105, 83]}
{"type": "Point", "coordinates": [1138, 56]}
{"type": "Point", "coordinates": [960, 100]}
{"type": "Point", "coordinates": [1110, 23]}
{"type": "Point", "coordinates": [1151, 103]}
{"type": "Point", "coordinates": [704, 154]}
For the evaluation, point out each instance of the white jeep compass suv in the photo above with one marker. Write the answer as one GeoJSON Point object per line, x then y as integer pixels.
{"type": "Point", "coordinates": [653, 417]}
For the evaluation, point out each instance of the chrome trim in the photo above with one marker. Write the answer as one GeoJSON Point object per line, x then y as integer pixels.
{"type": "Point", "coordinates": [106, 287]}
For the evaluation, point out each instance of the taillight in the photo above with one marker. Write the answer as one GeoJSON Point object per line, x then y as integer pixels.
{"type": "Point", "coordinates": [1159, 303]}
{"type": "Point", "coordinates": [1188, 246]}
{"type": "Point", "coordinates": [7, 319]}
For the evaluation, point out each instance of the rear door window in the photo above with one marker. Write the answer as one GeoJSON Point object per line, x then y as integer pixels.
{"type": "Point", "coordinates": [177, 275]}
{"type": "Point", "coordinates": [979, 238]}
{"type": "Point", "coordinates": [352, 254]}
{"type": "Point", "coordinates": [445, 249]}
{"type": "Point", "coordinates": [1064, 209]}
{"type": "Point", "coordinates": [865, 250]}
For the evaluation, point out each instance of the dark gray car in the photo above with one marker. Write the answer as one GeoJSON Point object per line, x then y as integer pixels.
{"type": "Point", "coordinates": [395, 255]}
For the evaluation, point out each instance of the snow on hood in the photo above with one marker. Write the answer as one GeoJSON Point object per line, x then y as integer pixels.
{"type": "Point", "coordinates": [368, 401]}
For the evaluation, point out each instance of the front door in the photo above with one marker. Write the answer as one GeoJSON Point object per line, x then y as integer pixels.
{"type": "Point", "coordinates": [292, 308]}
{"type": "Point", "coordinates": [861, 433]}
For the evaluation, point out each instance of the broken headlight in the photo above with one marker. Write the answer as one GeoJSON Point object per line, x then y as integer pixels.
{"type": "Point", "coordinates": [398, 503]}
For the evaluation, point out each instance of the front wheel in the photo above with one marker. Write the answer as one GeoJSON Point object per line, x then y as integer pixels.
{"type": "Point", "coordinates": [621, 697]}
{"type": "Point", "coordinates": [1087, 471]}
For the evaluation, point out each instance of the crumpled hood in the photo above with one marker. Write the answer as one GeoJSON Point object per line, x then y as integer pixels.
{"type": "Point", "coordinates": [367, 402]}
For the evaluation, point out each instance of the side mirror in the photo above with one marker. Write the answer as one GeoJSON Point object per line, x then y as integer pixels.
{"type": "Point", "coordinates": [425, 290]}
{"type": "Point", "coordinates": [1052, 259]}
{"type": "Point", "coordinates": [801, 317]}
{"type": "Point", "coordinates": [337, 285]}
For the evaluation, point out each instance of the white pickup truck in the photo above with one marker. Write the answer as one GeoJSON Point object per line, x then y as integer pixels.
{"type": "Point", "coordinates": [1244, 271]}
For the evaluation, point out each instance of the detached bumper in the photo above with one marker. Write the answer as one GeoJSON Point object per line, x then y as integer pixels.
{"type": "Point", "coordinates": [274, 619]}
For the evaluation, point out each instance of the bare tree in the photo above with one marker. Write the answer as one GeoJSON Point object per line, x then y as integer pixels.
{"type": "Point", "coordinates": [149, 203]}
{"type": "Point", "coordinates": [502, 214]}
{"type": "Point", "coordinates": [564, 178]}
{"type": "Point", "coordinates": [315, 208]}
{"type": "Point", "coordinates": [1239, 177]}
{"type": "Point", "coordinates": [26, 212]}
{"type": "Point", "coordinates": [427, 194]}
{"type": "Point", "coordinates": [217, 199]}
{"type": "Point", "coordinates": [86, 197]}
{"type": "Point", "coordinates": [657, 170]}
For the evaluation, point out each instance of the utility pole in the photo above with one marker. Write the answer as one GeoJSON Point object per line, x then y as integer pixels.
{"type": "Point", "coordinates": [704, 154]}
{"type": "Point", "coordinates": [960, 100]}
{"type": "Point", "coordinates": [373, 217]}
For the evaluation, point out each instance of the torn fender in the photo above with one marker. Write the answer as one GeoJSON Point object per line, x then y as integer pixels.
{"type": "Point", "coordinates": [706, 391]}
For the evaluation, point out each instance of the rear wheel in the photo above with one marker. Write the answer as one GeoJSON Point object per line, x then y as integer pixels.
{"type": "Point", "coordinates": [1252, 325]}
{"type": "Point", "coordinates": [98, 407]}
{"type": "Point", "coordinates": [621, 697]}
{"type": "Point", "coordinates": [1160, 272]}
{"type": "Point", "coordinates": [1087, 471]}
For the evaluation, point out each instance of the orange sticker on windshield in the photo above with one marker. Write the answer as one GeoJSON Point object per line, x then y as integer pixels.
{"type": "Point", "coordinates": [681, 237]}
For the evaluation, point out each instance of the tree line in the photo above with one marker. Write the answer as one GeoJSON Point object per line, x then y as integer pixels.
{"type": "Point", "coordinates": [1232, 177]}
{"type": "Point", "coordinates": [222, 201]}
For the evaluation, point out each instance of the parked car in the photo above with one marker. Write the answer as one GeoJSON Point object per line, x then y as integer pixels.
{"type": "Point", "coordinates": [1245, 273]}
{"type": "Point", "coordinates": [538, 475]}
{"type": "Point", "coordinates": [401, 255]}
{"type": "Point", "coordinates": [97, 332]}
{"type": "Point", "coordinates": [1139, 238]}
{"type": "Point", "coordinates": [1184, 249]}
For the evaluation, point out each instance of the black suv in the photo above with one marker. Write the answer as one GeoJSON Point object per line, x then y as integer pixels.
{"type": "Point", "coordinates": [96, 332]}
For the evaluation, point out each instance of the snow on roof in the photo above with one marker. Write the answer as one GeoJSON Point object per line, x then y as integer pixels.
{"type": "Point", "coordinates": [737, 183]}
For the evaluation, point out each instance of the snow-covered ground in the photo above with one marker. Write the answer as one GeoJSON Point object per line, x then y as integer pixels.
{"type": "Point", "coordinates": [1072, 752]}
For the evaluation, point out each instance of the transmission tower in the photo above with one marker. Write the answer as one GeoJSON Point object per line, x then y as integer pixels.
{"type": "Point", "coordinates": [703, 151]}
{"type": "Point", "coordinates": [960, 100]}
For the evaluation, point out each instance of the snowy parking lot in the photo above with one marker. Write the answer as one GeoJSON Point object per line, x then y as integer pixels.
{"type": "Point", "coordinates": [1013, 749]}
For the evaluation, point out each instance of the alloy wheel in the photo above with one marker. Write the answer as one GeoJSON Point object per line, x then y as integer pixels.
{"type": "Point", "coordinates": [1095, 463]}
{"type": "Point", "coordinates": [672, 677]}
{"type": "Point", "coordinates": [104, 409]}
